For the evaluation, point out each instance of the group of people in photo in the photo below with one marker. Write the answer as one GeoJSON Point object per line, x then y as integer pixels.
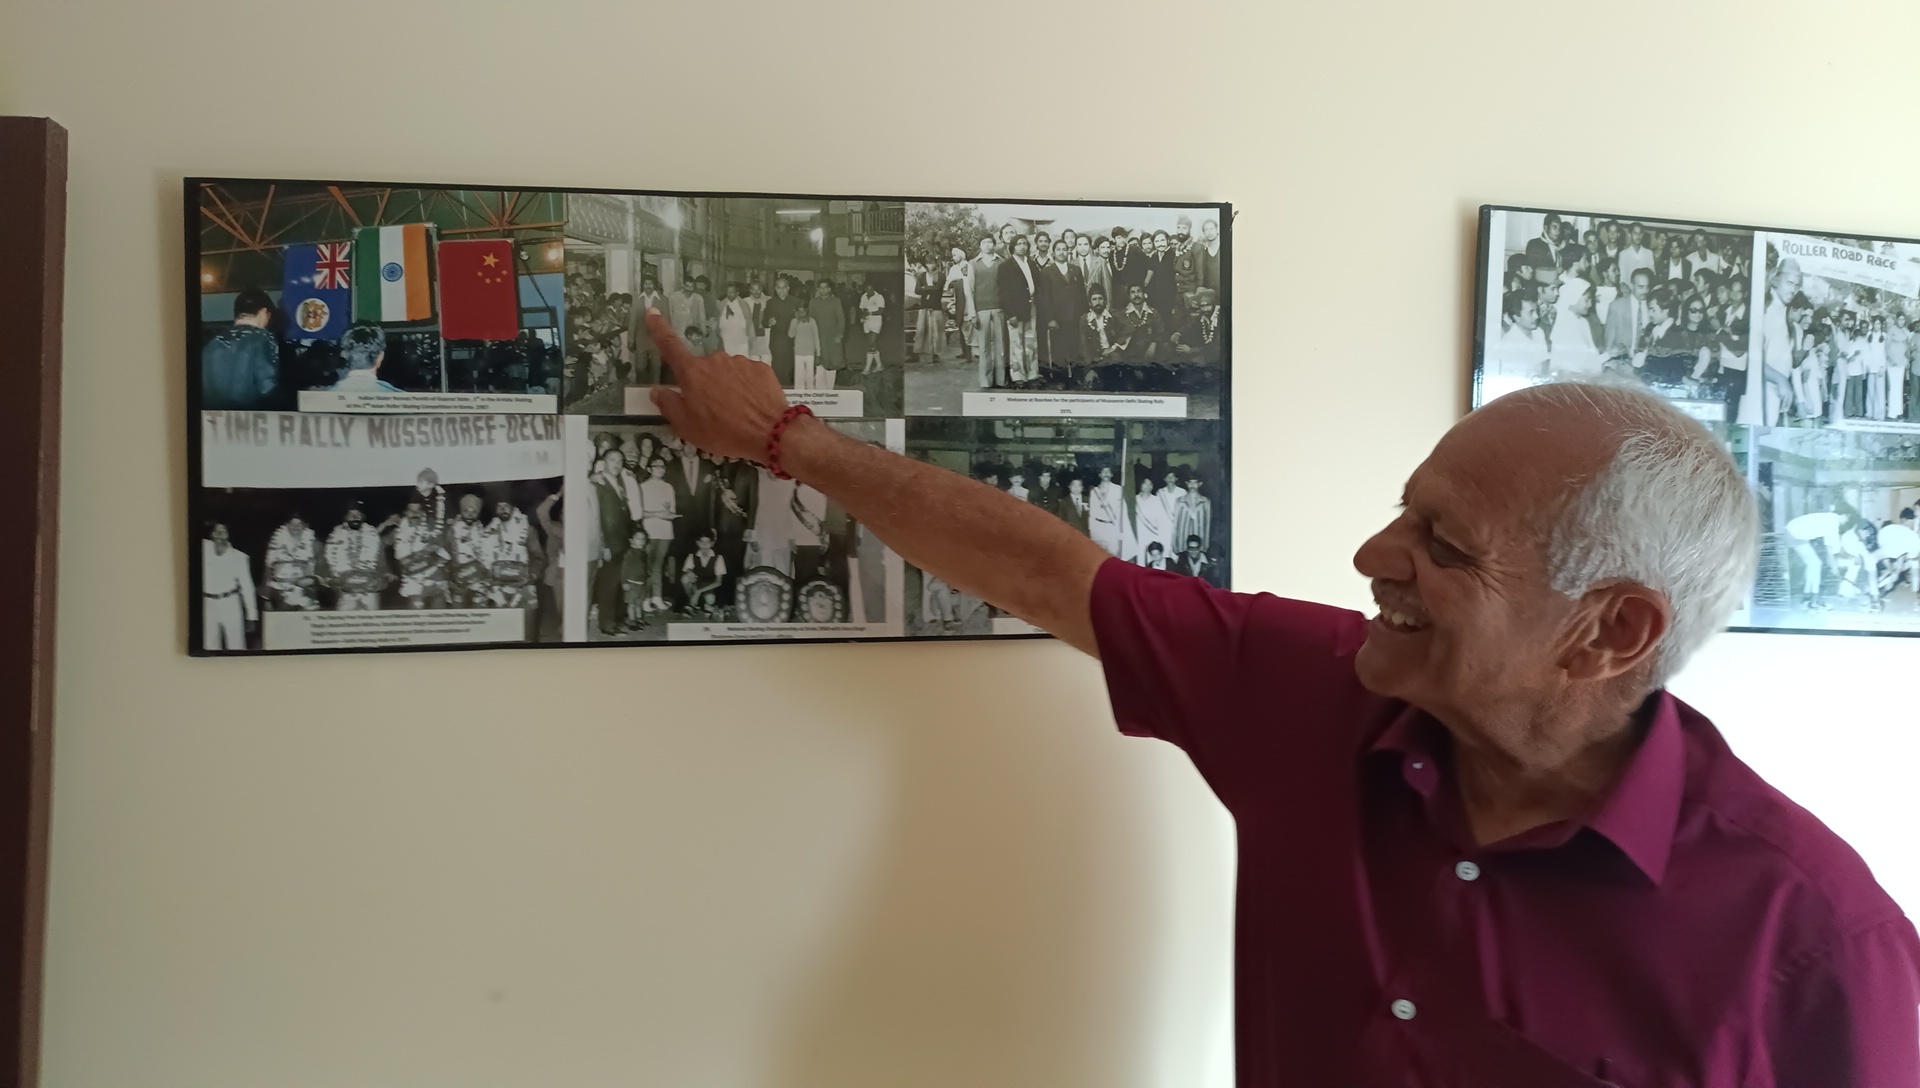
{"type": "Point", "coordinates": [1864, 559]}
{"type": "Point", "coordinates": [810, 330]}
{"type": "Point", "coordinates": [1668, 306]}
{"type": "Point", "coordinates": [677, 529]}
{"type": "Point", "coordinates": [1855, 357]}
{"type": "Point", "coordinates": [1127, 309]}
{"type": "Point", "coordinates": [1166, 523]}
{"type": "Point", "coordinates": [434, 552]}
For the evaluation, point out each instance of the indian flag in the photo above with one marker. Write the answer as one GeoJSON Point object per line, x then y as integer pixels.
{"type": "Point", "coordinates": [391, 281]}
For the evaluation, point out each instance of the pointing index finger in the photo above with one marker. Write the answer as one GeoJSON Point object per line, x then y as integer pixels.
{"type": "Point", "coordinates": [667, 339]}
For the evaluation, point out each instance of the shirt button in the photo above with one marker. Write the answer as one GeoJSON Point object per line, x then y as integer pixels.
{"type": "Point", "coordinates": [1467, 870]}
{"type": "Point", "coordinates": [1403, 1009]}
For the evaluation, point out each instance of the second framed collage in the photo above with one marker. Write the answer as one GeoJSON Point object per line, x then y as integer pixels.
{"type": "Point", "coordinates": [422, 416]}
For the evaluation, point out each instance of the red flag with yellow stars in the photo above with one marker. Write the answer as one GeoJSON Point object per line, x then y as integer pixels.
{"type": "Point", "coordinates": [479, 292]}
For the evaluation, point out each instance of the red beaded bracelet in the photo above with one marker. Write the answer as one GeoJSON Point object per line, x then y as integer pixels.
{"type": "Point", "coordinates": [779, 431]}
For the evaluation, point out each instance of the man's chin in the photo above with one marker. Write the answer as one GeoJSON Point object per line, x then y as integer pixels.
{"type": "Point", "coordinates": [1380, 669]}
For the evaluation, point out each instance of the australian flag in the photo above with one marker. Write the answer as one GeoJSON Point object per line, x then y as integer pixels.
{"type": "Point", "coordinates": [318, 298]}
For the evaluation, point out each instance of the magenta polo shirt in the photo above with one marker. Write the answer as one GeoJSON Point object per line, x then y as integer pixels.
{"type": "Point", "coordinates": [1697, 929]}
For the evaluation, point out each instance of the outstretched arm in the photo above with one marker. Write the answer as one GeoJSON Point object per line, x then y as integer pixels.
{"type": "Point", "coordinates": [978, 539]}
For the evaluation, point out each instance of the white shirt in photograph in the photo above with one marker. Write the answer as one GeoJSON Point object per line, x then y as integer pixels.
{"type": "Point", "coordinates": [1819, 525]}
{"type": "Point", "coordinates": [224, 573]}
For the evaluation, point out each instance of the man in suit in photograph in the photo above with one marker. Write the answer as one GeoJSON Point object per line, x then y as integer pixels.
{"type": "Point", "coordinates": [1019, 280]}
{"type": "Point", "coordinates": [1628, 318]}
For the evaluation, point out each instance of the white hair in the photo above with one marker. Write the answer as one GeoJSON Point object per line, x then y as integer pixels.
{"type": "Point", "coordinates": [1671, 511]}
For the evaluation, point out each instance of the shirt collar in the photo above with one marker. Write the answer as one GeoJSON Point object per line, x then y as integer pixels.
{"type": "Point", "coordinates": [1641, 814]}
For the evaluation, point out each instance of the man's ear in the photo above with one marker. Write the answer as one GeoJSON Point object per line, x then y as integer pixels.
{"type": "Point", "coordinates": [1617, 629]}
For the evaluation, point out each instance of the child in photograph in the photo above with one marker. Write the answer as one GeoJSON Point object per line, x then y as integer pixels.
{"type": "Point", "coordinates": [702, 576]}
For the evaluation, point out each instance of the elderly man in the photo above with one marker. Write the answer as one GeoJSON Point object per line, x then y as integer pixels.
{"type": "Point", "coordinates": [1479, 844]}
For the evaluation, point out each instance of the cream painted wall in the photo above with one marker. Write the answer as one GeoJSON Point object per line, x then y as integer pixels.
{"type": "Point", "coordinates": [833, 867]}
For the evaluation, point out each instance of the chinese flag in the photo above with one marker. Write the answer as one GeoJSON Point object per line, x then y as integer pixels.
{"type": "Point", "coordinates": [479, 293]}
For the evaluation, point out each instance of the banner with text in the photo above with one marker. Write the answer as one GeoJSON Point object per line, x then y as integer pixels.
{"type": "Point", "coordinates": [298, 449]}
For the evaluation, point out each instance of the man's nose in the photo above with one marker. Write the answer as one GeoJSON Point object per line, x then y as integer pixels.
{"type": "Point", "coordinates": [1385, 556]}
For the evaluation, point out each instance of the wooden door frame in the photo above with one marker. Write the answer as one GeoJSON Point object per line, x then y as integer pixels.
{"type": "Point", "coordinates": [33, 227]}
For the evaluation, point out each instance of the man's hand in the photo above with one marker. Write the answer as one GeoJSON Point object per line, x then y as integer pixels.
{"type": "Point", "coordinates": [725, 405]}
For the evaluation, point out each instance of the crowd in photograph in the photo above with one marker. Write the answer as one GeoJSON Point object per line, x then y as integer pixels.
{"type": "Point", "coordinates": [1126, 309]}
{"type": "Point", "coordinates": [1832, 352]}
{"type": "Point", "coordinates": [1863, 559]}
{"type": "Point", "coordinates": [1166, 523]}
{"type": "Point", "coordinates": [675, 529]}
{"type": "Point", "coordinates": [434, 552]}
{"type": "Point", "coordinates": [809, 330]}
{"type": "Point", "coordinates": [1668, 306]}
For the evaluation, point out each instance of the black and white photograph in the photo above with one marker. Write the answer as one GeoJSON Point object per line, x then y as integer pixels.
{"type": "Point", "coordinates": [355, 532]}
{"type": "Point", "coordinates": [1588, 297]}
{"type": "Point", "coordinates": [1840, 546]}
{"type": "Point", "coordinates": [1839, 335]}
{"type": "Point", "coordinates": [811, 286]}
{"type": "Point", "coordinates": [319, 297]}
{"type": "Point", "coordinates": [677, 544]}
{"type": "Point", "coordinates": [1151, 492]}
{"type": "Point", "coordinates": [1043, 309]}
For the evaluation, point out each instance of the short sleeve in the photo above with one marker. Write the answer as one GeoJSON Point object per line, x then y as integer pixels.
{"type": "Point", "coordinates": [1851, 1018]}
{"type": "Point", "coordinates": [1223, 675]}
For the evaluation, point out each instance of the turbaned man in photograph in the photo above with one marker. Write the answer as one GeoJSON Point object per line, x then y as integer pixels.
{"type": "Point", "coordinates": [1480, 844]}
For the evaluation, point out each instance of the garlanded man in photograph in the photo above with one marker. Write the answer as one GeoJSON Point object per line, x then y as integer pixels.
{"type": "Point", "coordinates": [470, 552]}
{"type": "Point", "coordinates": [1501, 728]}
{"type": "Point", "coordinates": [292, 561]}
{"type": "Point", "coordinates": [735, 323]}
{"type": "Point", "coordinates": [1094, 272]}
{"type": "Point", "coordinates": [1060, 314]}
{"type": "Point", "coordinates": [362, 349]}
{"type": "Point", "coordinates": [1197, 339]}
{"type": "Point", "coordinates": [986, 319]}
{"type": "Point", "coordinates": [1018, 281]}
{"type": "Point", "coordinates": [830, 330]}
{"type": "Point", "coordinates": [1141, 329]}
{"type": "Point", "coordinates": [1186, 266]}
{"type": "Point", "coordinates": [240, 364]}
{"type": "Point", "coordinates": [229, 608]}
{"type": "Point", "coordinates": [420, 551]}
{"type": "Point", "coordinates": [1105, 337]}
{"type": "Point", "coordinates": [516, 558]}
{"type": "Point", "coordinates": [354, 563]}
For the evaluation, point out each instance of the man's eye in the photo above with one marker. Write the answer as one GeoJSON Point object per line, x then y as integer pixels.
{"type": "Point", "coordinates": [1444, 553]}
